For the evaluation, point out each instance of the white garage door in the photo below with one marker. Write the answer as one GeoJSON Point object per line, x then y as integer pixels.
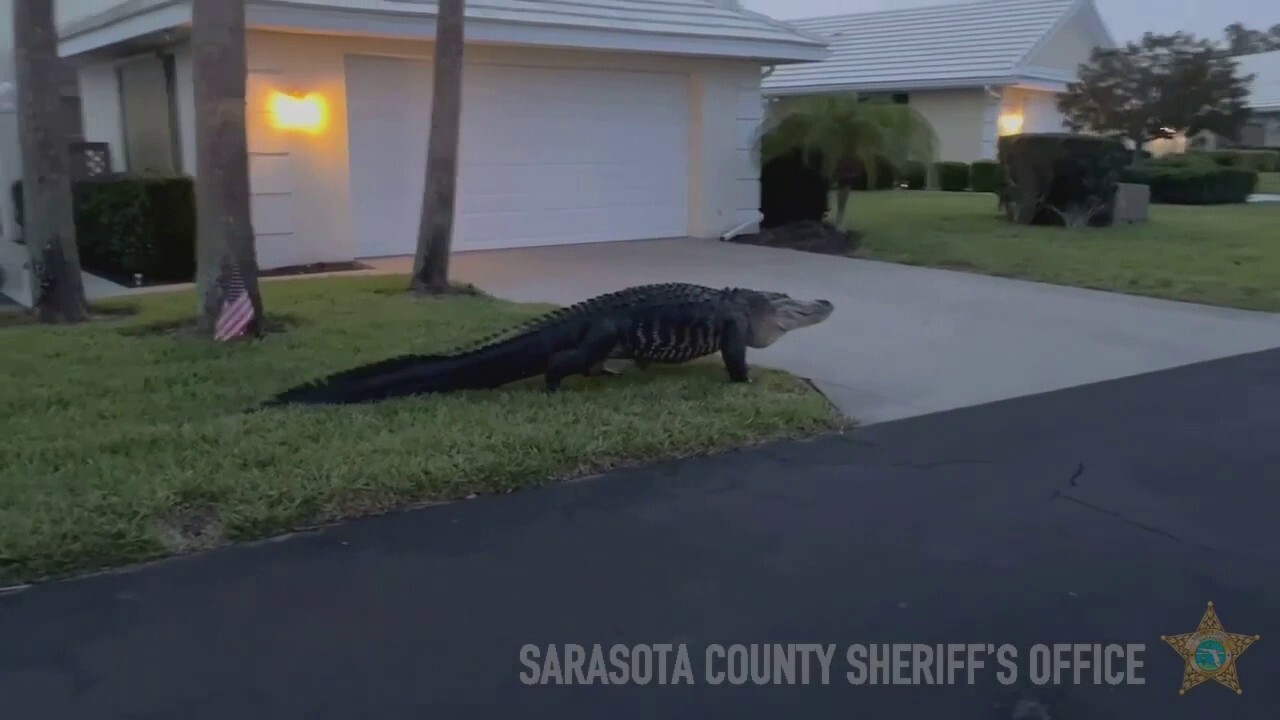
{"type": "Point", "coordinates": [548, 155]}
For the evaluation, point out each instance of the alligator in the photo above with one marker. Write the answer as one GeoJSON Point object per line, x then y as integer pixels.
{"type": "Point", "coordinates": [667, 323]}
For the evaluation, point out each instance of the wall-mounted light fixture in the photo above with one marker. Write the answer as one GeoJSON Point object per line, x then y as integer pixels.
{"type": "Point", "coordinates": [1010, 123]}
{"type": "Point", "coordinates": [295, 111]}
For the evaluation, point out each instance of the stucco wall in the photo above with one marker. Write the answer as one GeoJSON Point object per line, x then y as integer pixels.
{"type": "Point", "coordinates": [1038, 108]}
{"type": "Point", "coordinates": [960, 119]}
{"type": "Point", "coordinates": [301, 198]}
{"type": "Point", "coordinates": [14, 278]}
{"type": "Point", "coordinates": [1068, 47]}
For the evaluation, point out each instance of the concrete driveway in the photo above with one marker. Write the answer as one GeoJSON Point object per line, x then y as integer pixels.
{"type": "Point", "coordinates": [903, 341]}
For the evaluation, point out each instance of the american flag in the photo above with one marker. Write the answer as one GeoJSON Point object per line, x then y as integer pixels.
{"type": "Point", "coordinates": [237, 308]}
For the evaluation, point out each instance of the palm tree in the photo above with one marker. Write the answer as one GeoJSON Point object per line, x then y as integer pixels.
{"type": "Point", "coordinates": [49, 220]}
{"type": "Point", "coordinates": [435, 226]}
{"type": "Point", "coordinates": [835, 130]}
{"type": "Point", "coordinates": [224, 230]}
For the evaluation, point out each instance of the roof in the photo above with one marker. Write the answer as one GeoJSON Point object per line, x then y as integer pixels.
{"type": "Point", "coordinates": [706, 21]}
{"type": "Point", "coordinates": [1264, 92]}
{"type": "Point", "coordinates": [959, 45]}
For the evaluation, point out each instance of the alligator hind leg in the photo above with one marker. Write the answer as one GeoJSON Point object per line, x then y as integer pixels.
{"type": "Point", "coordinates": [595, 348]}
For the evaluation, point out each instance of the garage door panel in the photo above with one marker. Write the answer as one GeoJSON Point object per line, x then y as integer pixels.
{"type": "Point", "coordinates": [548, 155]}
{"type": "Point", "coordinates": [547, 226]}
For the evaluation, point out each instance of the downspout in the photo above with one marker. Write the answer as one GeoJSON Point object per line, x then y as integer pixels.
{"type": "Point", "coordinates": [738, 230]}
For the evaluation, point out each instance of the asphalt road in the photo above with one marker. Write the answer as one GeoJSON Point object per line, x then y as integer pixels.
{"type": "Point", "coordinates": [1111, 513]}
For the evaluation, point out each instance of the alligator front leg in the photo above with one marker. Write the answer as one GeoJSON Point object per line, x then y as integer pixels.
{"type": "Point", "coordinates": [733, 350]}
{"type": "Point", "coordinates": [601, 369]}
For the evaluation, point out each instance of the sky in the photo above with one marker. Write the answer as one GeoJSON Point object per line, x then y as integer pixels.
{"type": "Point", "coordinates": [1127, 19]}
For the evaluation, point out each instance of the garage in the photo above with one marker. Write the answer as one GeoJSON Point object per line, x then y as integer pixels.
{"type": "Point", "coordinates": [549, 155]}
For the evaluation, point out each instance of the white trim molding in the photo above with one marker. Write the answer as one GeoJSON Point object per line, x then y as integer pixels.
{"type": "Point", "coordinates": [116, 26]}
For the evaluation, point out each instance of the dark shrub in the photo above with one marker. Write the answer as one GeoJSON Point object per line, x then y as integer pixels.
{"type": "Point", "coordinates": [953, 176]}
{"type": "Point", "coordinates": [792, 191]}
{"type": "Point", "coordinates": [133, 225]}
{"type": "Point", "coordinates": [1257, 160]}
{"type": "Point", "coordinates": [1192, 180]}
{"type": "Point", "coordinates": [1060, 178]}
{"type": "Point", "coordinates": [986, 176]}
{"type": "Point", "coordinates": [916, 175]}
{"type": "Point", "coordinates": [1138, 155]}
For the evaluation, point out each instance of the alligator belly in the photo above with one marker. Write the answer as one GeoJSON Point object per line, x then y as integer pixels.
{"type": "Point", "coordinates": [672, 345]}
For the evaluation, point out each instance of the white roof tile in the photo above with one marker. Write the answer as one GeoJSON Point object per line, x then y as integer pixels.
{"type": "Point", "coordinates": [1264, 92]}
{"type": "Point", "coordinates": [938, 46]}
{"type": "Point", "coordinates": [711, 19]}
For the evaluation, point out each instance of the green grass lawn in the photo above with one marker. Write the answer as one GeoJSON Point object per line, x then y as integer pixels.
{"type": "Point", "coordinates": [1268, 183]}
{"type": "Point", "coordinates": [125, 440]}
{"type": "Point", "coordinates": [1219, 254]}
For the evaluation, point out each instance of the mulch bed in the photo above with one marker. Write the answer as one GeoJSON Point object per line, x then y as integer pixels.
{"type": "Point", "coordinates": [806, 236]}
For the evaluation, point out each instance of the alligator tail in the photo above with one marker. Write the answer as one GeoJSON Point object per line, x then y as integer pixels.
{"type": "Point", "coordinates": [510, 360]}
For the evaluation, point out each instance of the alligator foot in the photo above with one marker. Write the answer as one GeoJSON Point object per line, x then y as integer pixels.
{"type": "Point", "coordinates": [601, 369]}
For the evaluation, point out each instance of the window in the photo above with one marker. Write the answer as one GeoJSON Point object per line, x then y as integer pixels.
{"type": "Point", "coordinates": [151, 144]}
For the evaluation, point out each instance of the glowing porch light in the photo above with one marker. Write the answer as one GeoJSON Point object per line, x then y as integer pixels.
{"type": "Point", "coordinates": [1010, 123]}
{"type": "Point", "coordinates": [306, 113]}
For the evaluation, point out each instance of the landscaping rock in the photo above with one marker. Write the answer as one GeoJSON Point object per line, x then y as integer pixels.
{"type": "Point", "coordinates": [805, 235]}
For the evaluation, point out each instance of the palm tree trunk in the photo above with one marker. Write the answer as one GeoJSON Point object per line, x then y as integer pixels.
{"type": "Point", "coordinates": [842, 205]}
{"type": "Point", "coordinates": [49, 214]}
{"type": "Point", "coordinates": [224, 229]}
{"type": "Point", "coordinates": [435, 226]}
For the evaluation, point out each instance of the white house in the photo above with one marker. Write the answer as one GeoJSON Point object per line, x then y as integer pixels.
{"type": "Point", "coordinates": [1263, 128]}
{"type": "Point", "coordinates": [975, 70]}
{"type": "Point", "coordinates": [583, 120]}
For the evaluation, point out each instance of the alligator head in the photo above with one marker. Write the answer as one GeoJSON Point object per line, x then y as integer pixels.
{"type": "Point", "coordinates": [771, 315]}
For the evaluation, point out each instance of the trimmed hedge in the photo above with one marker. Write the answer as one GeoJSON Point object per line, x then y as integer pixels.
{"type": "Point", "coordinates": [127, 226]}
{"type": "Point", "coordinates": [986, 176]}
{"type": "Point", "coordinates": [915, 175]}
{"type": "Point", "coordinates": [1060, 178]}
{"type": "Point", "coordinates": [1192, 179]}
{"type": "Point", "coordinates": [1256, 160]}
{"type": "Point", "coordinates": [952, 176]}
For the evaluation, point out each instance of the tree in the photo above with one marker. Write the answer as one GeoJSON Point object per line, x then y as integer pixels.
{"type": "Point", "coordinates": [439, 194]}
{"type": "Point", "coordinates": [837, 130]}
{"type": "Point", "coordinates": [49, 217]}
{"type": "Point", "coordinates": [224, 230]}
{"type": "Point", "coordinates": [1161, 87]}
{"type": "Point", "coordinates": [1247, 41]}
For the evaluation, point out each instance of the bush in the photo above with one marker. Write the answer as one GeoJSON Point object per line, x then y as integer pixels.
{"type": "Point", "coordinates": [1256, 160]}
{"type": "Point", "coordinates": [952, 176]}
{"type": "Point", "coordinates": [1191, 180]}
{"type": "Point", "coordinates": [916, 175]}
{"type": "Point", "coordinates": [133, 225]}
{"type": "Point", "coordinates": [986, 176]}
{"type": "Point", "coordinates": [1060, 178]}
{"type": "Point", "coordinates": [1138, 155]}
{"type": "Point", "coordinates": [792, 191]}
{"type": "Point", "coordinates": [853, 175]}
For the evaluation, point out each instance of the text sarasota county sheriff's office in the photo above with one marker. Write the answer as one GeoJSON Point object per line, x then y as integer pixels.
{"type": "Point", "coordinates": [822, 664]}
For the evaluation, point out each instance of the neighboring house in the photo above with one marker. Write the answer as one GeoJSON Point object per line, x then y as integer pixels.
{"type": "Point", "coordinates": [1263, 127]}
{"type": "Point", "coordinates": [583, 120]}
{"type": "Point", "coordinates": [975, 70]}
